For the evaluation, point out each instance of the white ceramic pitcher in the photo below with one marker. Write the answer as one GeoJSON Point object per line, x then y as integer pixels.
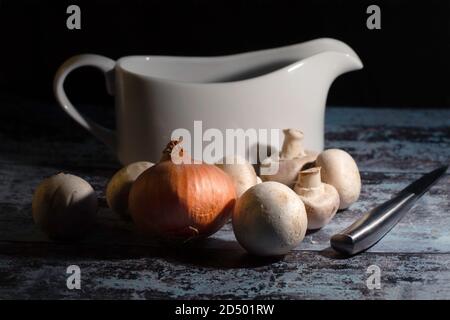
{"type": "Point", "coordinates": [277, 88]}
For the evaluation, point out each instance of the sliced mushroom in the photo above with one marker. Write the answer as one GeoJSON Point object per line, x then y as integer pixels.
{"type": "Point", "coordinates": [321, 200]}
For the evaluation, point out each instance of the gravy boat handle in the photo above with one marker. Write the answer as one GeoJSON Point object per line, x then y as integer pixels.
{"type": "Point", "coordinates": [104, 64]}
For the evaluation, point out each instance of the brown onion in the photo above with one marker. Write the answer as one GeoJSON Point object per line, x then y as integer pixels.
{"type": "Point", "coordinates": [177, 199]}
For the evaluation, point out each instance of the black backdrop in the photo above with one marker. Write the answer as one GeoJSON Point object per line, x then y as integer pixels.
{"type": "Point", "coordinates": [406, 62]}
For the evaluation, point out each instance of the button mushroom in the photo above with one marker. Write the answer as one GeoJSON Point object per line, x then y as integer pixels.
{"type": "Point", "coordinates": [321, 200]}
{"type": "Point", "coordinates": [120, 184]}
{"type": "Point", "coordinates": [269, 219]}
{"type": "Point", "coordinates": [64, 206]}
{"type": "Point", "coordinates": [290, 160]}
{"type": "Point", "coordinates": [241, 172]}
{"type": "Point", "coordinates": [340, 170]}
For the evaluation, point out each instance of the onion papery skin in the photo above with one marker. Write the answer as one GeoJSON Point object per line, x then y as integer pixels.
{"type": "Point", "coordinates": [181, 201]}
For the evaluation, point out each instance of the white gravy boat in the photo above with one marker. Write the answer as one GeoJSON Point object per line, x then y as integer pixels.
{"type": "Point", "coordinates": [277, 88]}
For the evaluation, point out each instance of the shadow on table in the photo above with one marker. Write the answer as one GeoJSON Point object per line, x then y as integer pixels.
{"type": "Point", "coordinates": [333, 254]}
{"type": "Point", "coordinates": [208, 255]}
{"type": "Point", "coordinates": [217, 253]}
{"type": "Point", "coordinates": [118, 239]}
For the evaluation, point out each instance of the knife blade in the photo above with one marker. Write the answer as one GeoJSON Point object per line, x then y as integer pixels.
{"type": "Point", "coordinates": [375, 224]}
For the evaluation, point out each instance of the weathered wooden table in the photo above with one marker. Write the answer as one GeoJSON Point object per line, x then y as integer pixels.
{"type": "Point", "coordinates": [392, 148]}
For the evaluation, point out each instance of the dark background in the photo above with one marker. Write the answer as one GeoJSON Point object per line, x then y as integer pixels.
{"type": "Point", "coordinates": [406, 62]}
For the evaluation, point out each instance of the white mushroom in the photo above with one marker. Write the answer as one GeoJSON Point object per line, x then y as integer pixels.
{"type": "Point", "coordinates": [120, 184]}
{"type": "Point", "coordinates": [241, 172]}
{"type": "Point", "coordinates": [321, 200]}
{"type": "Point", "coordinates": [340, 170]}
{"type": "Point", "coordinates": [258, 180]}
{"type": "Point", "coordinates": [269, 219]}
{"type": "Point", "coordinates": [64, 206]}
{"type": "Point", "coordinates": [292, 159]}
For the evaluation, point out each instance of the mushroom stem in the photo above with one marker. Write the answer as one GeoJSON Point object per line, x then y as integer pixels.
{"type": "Point", "coordinates": [310, 178]}
{"type": "Point", "coordinates": [309, 182]}
{"type": "Point", "coordinates": [292, 144]}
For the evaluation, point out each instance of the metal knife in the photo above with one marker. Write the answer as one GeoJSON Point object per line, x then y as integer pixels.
{"type": "Point", "coordinates": [374, 225]}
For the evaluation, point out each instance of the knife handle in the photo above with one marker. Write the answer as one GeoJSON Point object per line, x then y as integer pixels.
{"type": "Point", "coordinates": [373, 225]}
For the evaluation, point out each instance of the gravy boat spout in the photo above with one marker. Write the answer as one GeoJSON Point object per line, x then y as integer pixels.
{"type": "Point", "coordinates": [269, 89]}
{"type": "Point", "coordinates": [335, 56]}
{"type": "Point", "coordinates": [322, 67]}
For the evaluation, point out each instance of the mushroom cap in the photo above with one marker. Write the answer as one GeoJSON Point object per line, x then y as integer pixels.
{"type": "Point", "coordinates": [64, 206]}
{"type": "Point", "coordinates": [241, 172]}
{"type": "Point", "coordinates": [320, 206]}
{"type": "Point", "coordinates": [340, 170]}
{"type": "Point", "coordinates": [120, 184]}
{"type": "Point", "coordinates": [269, 219]}
{"type": "Point", "coordinates": [288, 169]}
